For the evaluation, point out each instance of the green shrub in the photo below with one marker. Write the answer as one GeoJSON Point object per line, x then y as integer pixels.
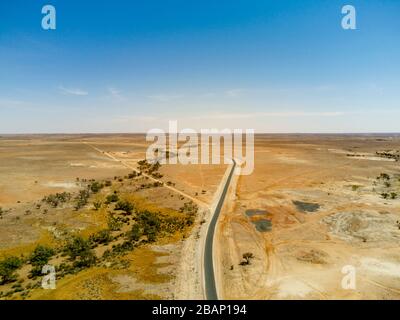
{"type": "Point", "coordinates": [125, 206]}
{"type": "Point", "coordinates": [8, 266]}
{"type": "Point", "coordinates": [56, 199]}
{"type": "Point", "coordinates": [135, 233]}
{"type": "Point", "coordinates": [97, 205]}
{"type": "Point", "coordinates": [82, 199]}
{"type": "Point", "coordinates": [96, 187]}
{"type": "Point", "coordinates": [80, 252]}
{"type": "Point", "coordinates": [41, 255]}
{"type": "Point", "coordinates": [150, 223]}
{"type": "Point", "coordinates": [101, 237]}
{"type": "Point", "coordinates": [112, 198]}
{"type": "Point", "coordinates": [113, 223]}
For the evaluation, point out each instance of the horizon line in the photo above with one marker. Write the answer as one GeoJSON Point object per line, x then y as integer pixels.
{"type": "Point", "coordinates": [256, 133]}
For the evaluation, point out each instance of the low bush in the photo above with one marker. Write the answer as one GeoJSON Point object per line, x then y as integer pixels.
{"type": "Point", "coordinates": [8, 266]}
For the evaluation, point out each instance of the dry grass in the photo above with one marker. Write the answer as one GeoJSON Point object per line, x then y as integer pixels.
{"type": "Point", "coordinates": [46, 238]}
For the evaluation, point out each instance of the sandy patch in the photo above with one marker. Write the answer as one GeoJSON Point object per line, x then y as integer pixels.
{"type": "Point", "coordinates": [365, 226]}
{"type": "Point", "coordinates": [63, 185]}
{"type": "Point", "coordinates": [76, 165]}
{"type": "Point", "coordinates": [383, 268]}
{"type": "Point", "coordinates": [293, 288]}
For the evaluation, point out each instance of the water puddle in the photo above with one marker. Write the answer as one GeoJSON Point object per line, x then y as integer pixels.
{"type": "Point", "coordinates": [255, 212]}
{"type": "Point", "coordinates": [263, 225]}
{"type": "Point", "coordinates": [306, 206]}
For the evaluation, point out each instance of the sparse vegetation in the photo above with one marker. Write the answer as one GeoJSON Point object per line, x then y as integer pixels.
{"type": "Point", "coordinates": [129, 225]}
{"type": "Point", "coordinates": [387, 186]}
{"type": "Point", "coordinates": [395, 155]}
{"type": "Point", "coordinates": [56, 199]}
{"type": "Point", "coordinates": [101, 237]}
{"type": "Point", "coordinates": [95, 187]}
{"type": "Point", "coordinates": [135, 233]}
{"type": "Point", "coordinates": [383, 176]}
{"type": "Point", "coordinates": [82, 199]}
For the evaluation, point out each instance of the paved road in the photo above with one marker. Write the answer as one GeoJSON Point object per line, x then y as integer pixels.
{"type": "Point", "coordinates": [209, 278]}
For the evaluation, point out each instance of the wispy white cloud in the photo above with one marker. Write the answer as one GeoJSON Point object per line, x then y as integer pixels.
{"type": "Point", "coordinates": [115, 93]}
{"type": "Point", "coordinates": [165, 97]}
{"type": "Point", "coordinates": [73, 91]}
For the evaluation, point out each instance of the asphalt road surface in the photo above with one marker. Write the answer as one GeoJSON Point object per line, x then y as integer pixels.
{"type": "Point", "coordinates": [210, 287]}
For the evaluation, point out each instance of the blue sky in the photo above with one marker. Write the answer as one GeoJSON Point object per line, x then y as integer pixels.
{"type": "Point", "coordinates": [129, 66]}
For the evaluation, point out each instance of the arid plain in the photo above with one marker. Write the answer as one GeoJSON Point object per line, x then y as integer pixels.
{"type": "Point", "coordinates": [117, 227]}
{"type": "Point", "coordinates": [313, 206]}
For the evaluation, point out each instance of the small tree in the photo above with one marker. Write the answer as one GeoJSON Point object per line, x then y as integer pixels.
{"type": "Point", "coordinates": [150, 223]}
{"type": "Point", "coordinates": [41, 255]}
{"type": "Point", "coordinates": [125, 206]}
{"type": "Point", "coordinates": [80, 252]}
{"type": "Point", "coordinates": [246, 258]}
{"type": "Point", "coordinates": [7, 268]}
